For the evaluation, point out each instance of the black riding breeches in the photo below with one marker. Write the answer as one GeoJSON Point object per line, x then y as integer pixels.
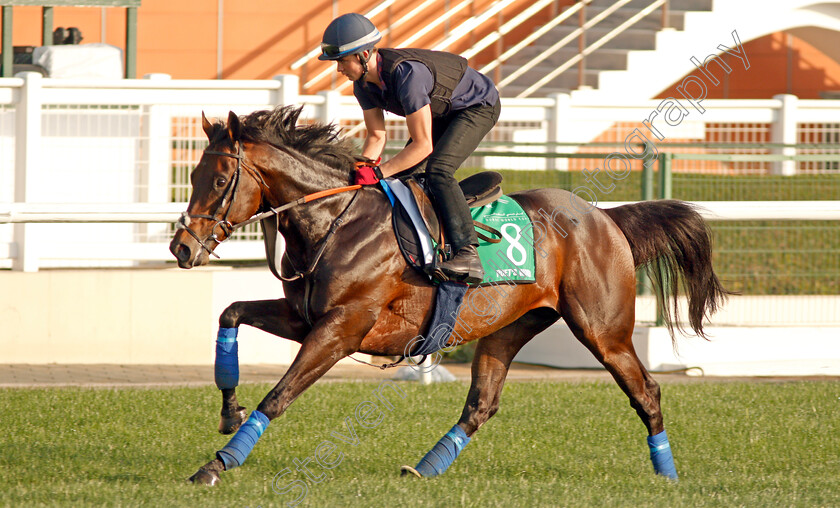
{"type": "Point", "coordinates": [455, 138]}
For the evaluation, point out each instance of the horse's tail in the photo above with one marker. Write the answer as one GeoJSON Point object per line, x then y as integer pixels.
{"type": "Point", "coordinates": [674, 244]}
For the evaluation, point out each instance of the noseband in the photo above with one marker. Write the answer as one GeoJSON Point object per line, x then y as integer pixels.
{"type": "Point", "coordinates": [223, 223]}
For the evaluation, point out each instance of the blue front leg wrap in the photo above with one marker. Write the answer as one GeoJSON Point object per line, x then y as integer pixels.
{"type": "Point", "coordinates": [444, 453]}
{"type": "Point", "coordinates": [227, 358]}
{"type": "Point", "coordinates": [660, 455]}
{"type": "Point", "coordinates": [236, 451]}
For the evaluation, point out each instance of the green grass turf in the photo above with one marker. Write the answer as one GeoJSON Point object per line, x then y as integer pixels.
{"type": "Point", "coordinates": [551, 444]}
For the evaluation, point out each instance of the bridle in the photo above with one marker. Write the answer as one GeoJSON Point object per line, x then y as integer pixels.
{"type": "Point", "coordinates": [230, 193]}
{"type": "Point", "coordinates": [229, 228]}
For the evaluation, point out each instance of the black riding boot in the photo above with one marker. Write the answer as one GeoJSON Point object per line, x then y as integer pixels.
{"type": "Point", "coordinates": [464, 265]}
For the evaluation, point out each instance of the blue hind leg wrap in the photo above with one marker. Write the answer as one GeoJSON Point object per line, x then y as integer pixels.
{"type": "Point", "coordinates": [236, 451]}
{"type": "Point", "coordinates": [661, 456]}
{"type": "Point", "coordinates": [227, 358]}
{"type": "Point", "coordinates": [444, 453]}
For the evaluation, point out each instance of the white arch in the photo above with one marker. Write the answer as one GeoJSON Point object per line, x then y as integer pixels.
{"type": "Point", "coordinates": [650, 72]}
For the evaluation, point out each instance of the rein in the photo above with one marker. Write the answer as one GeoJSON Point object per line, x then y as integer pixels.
{"type": "Point", "coordinates": [229, 228]}
{"type": "Point", "coordinates": [230, 193]}
{"type": "Point", "coordinates": [299, 201]}
{"type": "Point", "coordinates": [336, 223]}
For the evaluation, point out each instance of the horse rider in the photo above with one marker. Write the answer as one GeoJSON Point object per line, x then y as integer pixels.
{"type": "Point", "coordinates": [448, 107]}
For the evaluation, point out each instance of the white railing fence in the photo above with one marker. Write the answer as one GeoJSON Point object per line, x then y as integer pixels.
{"type": "Point", "coordinates": [125, 149]}
{"type": "Point", "coordinates": [746, 310]}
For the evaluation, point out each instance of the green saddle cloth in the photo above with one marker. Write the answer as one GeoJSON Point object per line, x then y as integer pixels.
{"type": "Point", "coordinates": [512, 259]}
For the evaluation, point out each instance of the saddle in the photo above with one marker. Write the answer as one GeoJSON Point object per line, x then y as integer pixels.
{"type": "Point", "coordinates": [479, 190]}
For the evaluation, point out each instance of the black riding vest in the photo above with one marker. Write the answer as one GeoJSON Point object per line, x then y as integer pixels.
{"type": "Point", "coordinates": [447, 70]}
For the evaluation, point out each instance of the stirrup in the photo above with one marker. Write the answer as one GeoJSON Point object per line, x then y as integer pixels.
{"type": "Point", "coordinates": [471, 278]}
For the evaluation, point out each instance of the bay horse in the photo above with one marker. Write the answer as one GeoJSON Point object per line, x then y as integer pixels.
{"type": "Point", "coordinates": [348, 288]}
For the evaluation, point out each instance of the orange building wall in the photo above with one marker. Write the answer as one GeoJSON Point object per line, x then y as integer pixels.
{"type": "Point", "coordinates": [261, 38]}
{"type": "Point", "coordinates": [811, 71]}
{"type": "Point", "coordinates": [26, 24]}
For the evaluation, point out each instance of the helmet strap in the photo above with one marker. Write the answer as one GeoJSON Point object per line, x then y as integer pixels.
{"type": "Point", "coordinates": [364, 62]}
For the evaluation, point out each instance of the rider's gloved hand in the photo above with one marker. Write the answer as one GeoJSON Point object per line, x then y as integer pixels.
{"type": "Point", "coordinates": [368, 173]}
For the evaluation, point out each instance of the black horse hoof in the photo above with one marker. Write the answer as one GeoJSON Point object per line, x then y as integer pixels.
{"type": "Point", "coordinates": [230, 422]}
{"type": "Point", "coordinates": [406, 470]}
{"type": "Point", "coordinates": [205, 477]}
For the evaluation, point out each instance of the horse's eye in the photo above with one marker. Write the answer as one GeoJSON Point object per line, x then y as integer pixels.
{"type": "Point", "coordinates": [220, 182]}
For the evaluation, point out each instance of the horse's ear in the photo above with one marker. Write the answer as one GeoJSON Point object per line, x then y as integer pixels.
{"type": "Point", "coordinates": [234, 128]}
{"type": "Point", "coordinates": [206, 125]}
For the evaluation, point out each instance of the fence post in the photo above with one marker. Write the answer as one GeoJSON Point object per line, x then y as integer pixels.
{"type": "Point", "coordinates": [426, 371]}
{"type": "Point", "coordinates": [8, 51]}
{"type": "Point", "coordinates": [27, 166]}
{"type": "Point", "coordinates": [647, 174]}
{"type": "Point", "coordinates": [582, 45]}
{"type": "Point", "coordinates": [665, 162]}
{"type": "Point", "coordinates": [156, 141]}
{"type": "Point", "coordinates": [643, 282]}
{"type": "Point", "coordinates": [784, 131]}
{"type": "Point", "coordinates": [330, 111]}
{"type": "Point", "coordinates": [558, 126]}
{"type": "Point", "coordinates": [289, 86]}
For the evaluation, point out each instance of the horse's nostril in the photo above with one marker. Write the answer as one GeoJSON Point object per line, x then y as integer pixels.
{"type": "Point", "coordinates": [181, 252]}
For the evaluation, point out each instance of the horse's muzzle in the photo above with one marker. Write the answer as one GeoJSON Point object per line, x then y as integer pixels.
{"type": "Point", "coordinates": [181, 252]}
{"type": "Point", "coordinates": [187, 256]}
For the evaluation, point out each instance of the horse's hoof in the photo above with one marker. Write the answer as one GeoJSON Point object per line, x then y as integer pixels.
{"type": "Point", "coordinates": [405, 470]}
{"type": "Point", "coordinates": [230, 422]}
{"type": "Point", "coordinates": [205, 477]}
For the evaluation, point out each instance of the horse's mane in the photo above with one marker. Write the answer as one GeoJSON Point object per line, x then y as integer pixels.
{"type": "Point", "coordinates": [279, 127]}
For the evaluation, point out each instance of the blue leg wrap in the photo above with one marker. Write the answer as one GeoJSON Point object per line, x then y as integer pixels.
{"type": "Point", "coordinates": [660, 455]}
{"type": "Point", "coordinates": [444, 453]}
{"type": "Point", "coordinates": [236, 451]}
{"type": "Point", "coordinates": [227, 358]}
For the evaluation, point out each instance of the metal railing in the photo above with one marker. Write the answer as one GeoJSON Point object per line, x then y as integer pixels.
{"type": "Point", "coordinates": [470, 25]}
{"type": "Point", "coordinates": [584, 50]}
{"type": "Point", "coordinates": [457, 33]}
{"type": "Point", "coordinates": [495, 9]}
{"type": "Point", "coordinates": [536, 34]}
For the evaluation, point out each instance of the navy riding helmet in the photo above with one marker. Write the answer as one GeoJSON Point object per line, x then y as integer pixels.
{"type": "Point", "coordinates": [348, 34]}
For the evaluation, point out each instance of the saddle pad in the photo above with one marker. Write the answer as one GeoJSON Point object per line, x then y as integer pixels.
{"type": "Point", "coordinates": [404, 196]}
{"type": "Point", "coordinates": [448, 301]}
{"type": "Point", "coordinates": [512, 259]}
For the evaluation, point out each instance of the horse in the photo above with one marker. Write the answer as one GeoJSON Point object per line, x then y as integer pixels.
{"type": "Point", "coordinates": [348, 288]}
